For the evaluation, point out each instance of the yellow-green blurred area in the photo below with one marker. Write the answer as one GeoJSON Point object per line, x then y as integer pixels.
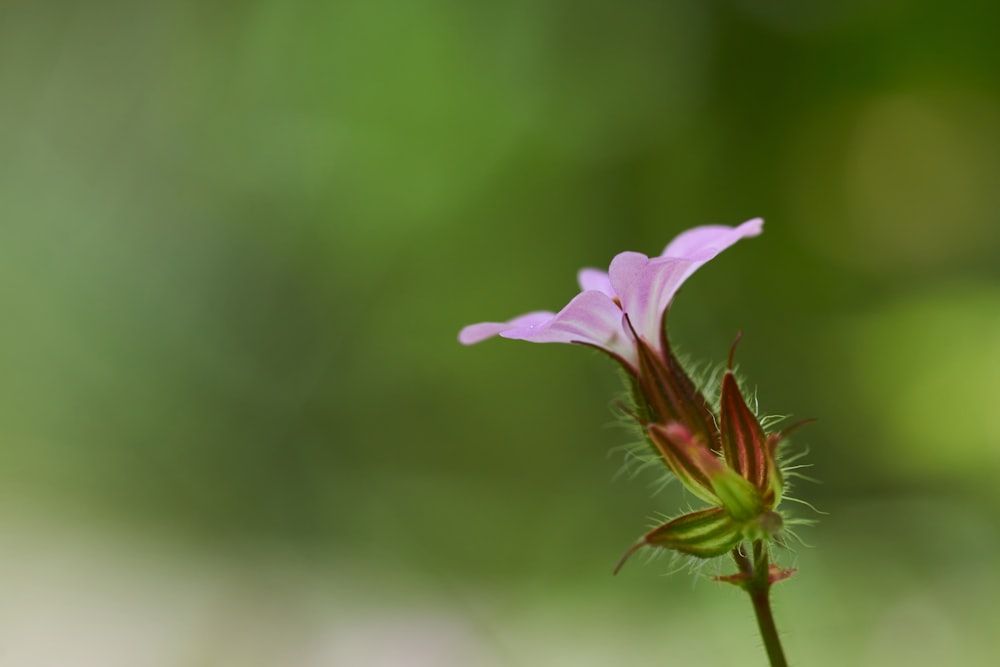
{"type": "Point", "coordinates": [237, 242]}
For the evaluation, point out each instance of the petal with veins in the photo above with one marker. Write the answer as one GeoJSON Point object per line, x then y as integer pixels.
{"type": "Point", "coordinates": [595, 279]}
{"type": "Point", "coordinates": [591, 318]}
{"type": "Point", "coordinates": [475, 333]}
{"type": "Point", "coordinates": [645, 287]}
{"type": "Point", "coordinates": [641, 287]}
{"type": "Point", "coordinates": [704, 243]}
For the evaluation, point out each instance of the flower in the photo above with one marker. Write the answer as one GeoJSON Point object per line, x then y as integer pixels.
{"type": "Point", "coordinates": [627, 302]}
{"type": "Point", "coordinates": [724, 457]}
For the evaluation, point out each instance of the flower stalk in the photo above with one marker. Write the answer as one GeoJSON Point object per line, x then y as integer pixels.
{"type": "Point", "coordinates": [758, 577]}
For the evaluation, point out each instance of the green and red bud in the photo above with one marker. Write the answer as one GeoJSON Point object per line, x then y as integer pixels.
{"type": "Point", "coordinates": [728, 462]}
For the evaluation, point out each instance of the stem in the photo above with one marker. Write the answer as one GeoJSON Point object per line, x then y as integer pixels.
{"type": "Point", "coordinates": [758, 586]}
{"type": "Point", "coordinates": [768, 631]}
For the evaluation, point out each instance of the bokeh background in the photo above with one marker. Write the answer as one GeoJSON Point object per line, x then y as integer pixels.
{"type": "Point", "coordinates": [237, 241]}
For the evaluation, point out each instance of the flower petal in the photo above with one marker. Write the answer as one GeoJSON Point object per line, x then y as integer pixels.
{"type": "Point", "coordinates": [474, 333]}
{"type": "Point", "coordinates": [591, 318]}
{"type": "Point", "coordinates": [704, 243]}
{"type": "Point", "coordinates": [645, 288]}
{"type": "Point", "coordinates": [595, 279]}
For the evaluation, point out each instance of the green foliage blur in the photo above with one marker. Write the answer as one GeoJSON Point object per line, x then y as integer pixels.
{"type": "Point", "coordinates": [237, 242]}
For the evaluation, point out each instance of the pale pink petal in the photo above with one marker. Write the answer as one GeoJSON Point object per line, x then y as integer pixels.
{"type": "Point", "coordinates": [641, 287]}
{"type": "Point", "coordinates": [704, 243]}
{"type": "Point", "coordinates": [595, 279]}
{"type": "Point", "coordinates": [591, 318]}
{"type": "Point", "coordinates": [646, 287]}
{"type": "Point", "coordinates": [475, 333]}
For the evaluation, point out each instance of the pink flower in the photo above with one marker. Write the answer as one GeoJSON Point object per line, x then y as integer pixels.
{"type": "Point", "coordinates": [629, 300]}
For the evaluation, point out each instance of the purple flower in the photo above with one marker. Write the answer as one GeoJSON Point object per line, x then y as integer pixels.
{"type": "Point", "coordinates": [629, 300]}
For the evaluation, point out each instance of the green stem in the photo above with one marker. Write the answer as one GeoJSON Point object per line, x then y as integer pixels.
{"type": "Point", "coordinates": [768, 631]}
{"type": "Point", "coordinates": [758, 585]}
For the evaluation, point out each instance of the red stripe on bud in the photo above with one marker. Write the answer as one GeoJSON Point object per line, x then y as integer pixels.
{"type": "Point", "coordinates": [743, 441]}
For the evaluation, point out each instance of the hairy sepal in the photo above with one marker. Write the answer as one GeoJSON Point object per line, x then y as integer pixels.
{"type": "Point", "coordinates": [738, 496]}
{"type": "Point", "coordinates": [705, 534]}
{"type": "Point", "coordinates": [672, 395]}
{"type": "Point", "coordinates": [744, 444]}
{"type": "Point", "coordinates": [689, 459]}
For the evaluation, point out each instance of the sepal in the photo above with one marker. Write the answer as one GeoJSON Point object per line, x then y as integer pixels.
{"type": "Point", "coordinates": [743, 441]}
{"type": "Point", "coordinates": [688, 458]}
{"type": "Point", "coordinates": [671, 395]}
{"type": "Point", "coordinates": [704, 534]}
{"type": "Point", "coordinates": [740, 498]}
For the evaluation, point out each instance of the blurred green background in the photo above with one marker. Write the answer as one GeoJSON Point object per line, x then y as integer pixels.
{"type": "Point", "coordinates": [237, 241]}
